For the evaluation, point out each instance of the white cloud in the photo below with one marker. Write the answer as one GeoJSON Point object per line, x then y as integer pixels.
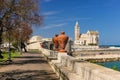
{"type": "Point", "coordinates": [74, 19]}
{"type": "Point", "coordinates": [52, 17]}
{"type": "Point", "coordinates": [48, 0]}
{"type": "Point", "coordinates": [54, 26]}
{"type": "Point", "coordinates": [50, 13]}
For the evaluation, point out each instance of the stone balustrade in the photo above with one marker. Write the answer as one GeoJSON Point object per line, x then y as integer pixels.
{"type": "Point", "coordinates": [70, 68]}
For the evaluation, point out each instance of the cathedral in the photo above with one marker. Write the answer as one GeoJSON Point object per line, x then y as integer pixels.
{"type": "Point", "coordinates": [88, 39]}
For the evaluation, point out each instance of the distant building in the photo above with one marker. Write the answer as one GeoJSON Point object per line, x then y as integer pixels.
{"type": "Point", "coordinates": [35, 42]}
{"type": "Point", "coordinates": [5, 45]}
{"type": "Point", "coordinates": [89, 38]}
{"type": "Point", "coordinates": [34, 39]}
{"type": "Point", "coordinates": [46, 39]}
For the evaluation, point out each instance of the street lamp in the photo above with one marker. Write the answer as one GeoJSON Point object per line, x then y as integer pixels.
{"type": "Point", "coordinates": [1, 30]}
{"type": "Point", "coordinates": [20, 30]}
{"type": "Point", "coordinates": [9, 53]}
{"type": "Point", "coordinates": [70, 47]}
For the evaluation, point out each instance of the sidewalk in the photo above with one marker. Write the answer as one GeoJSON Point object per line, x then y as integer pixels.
{"type": "Point", "coordinates": [29, 66]}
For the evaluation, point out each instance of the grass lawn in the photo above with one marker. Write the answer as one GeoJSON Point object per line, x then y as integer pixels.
{"type": "Point", "coordinates": [33, 50]}
{"type": "Point", "coordinates": [5, 55]}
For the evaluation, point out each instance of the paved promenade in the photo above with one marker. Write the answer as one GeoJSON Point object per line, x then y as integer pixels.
{"type": "Point", "coordinates": [29, 66]}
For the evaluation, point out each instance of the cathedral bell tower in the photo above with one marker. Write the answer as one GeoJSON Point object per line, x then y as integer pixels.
{"type": "Point", "coordinates": [77, 31]}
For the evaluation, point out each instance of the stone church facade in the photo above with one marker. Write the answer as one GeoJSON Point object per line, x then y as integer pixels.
{"type": "Point", "coordinates": [89, 38]}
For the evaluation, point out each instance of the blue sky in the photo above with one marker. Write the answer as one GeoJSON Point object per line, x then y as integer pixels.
{"type": "Point", "coordinates": [99, 15]}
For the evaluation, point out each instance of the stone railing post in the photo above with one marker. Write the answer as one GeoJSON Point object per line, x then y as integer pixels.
{"type": "Point", "coordinates": [60, 54]}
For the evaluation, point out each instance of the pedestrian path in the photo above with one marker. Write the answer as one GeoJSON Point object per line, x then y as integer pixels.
{"type": "Point", "coordinates": [29, 66]}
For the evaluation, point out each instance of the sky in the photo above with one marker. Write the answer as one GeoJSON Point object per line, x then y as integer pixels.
{"type": "Point", "coordinates": [98, 15]}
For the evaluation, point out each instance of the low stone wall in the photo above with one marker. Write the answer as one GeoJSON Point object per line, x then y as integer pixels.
{"type": "Point", "coordinates": [96, 52]}
{"type": "Point", "coordinates": [79, 48]}
{"type": "Point", "coordinates": [70, 68]}
{"type": "Point", "coordinates": [49, 54]}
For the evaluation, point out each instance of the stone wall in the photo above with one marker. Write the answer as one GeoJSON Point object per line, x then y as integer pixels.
{"type": "Point", "coordinates": [79, 48]}
{"type": "Point", "coordinates": [70, 68]}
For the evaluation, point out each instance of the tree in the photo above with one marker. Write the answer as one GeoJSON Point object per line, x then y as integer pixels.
{"type": "Point", "coordinates": [21, 35]}
{"type": "Point", "coordinates": [15, 12]}
{"type": "Point", "coordinates": [18, 36]}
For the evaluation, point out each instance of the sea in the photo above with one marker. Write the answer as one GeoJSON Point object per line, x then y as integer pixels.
{"type": "Point", "coordinates": [107, 46]}
{"type": "Point", "coordinates": [114, 64]}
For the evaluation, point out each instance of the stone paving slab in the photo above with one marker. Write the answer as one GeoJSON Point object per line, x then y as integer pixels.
{"type": "Point", "coordinates": [29, 66]}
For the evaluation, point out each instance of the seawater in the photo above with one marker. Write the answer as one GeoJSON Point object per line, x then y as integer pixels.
{"type": "Point", "coordinates": [114, 64]}
{"type": "Point", "coordinates": [107, 46]}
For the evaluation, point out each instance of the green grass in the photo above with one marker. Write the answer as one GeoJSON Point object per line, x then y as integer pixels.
{"type": "Point", "coordinates": [33, 50]}
{"type": "Point", "coordinates": [5, 55]}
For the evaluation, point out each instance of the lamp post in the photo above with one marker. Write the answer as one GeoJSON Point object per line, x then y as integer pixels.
{"type": "Point", "coordinates": [70, 47]}
{"type": "Point", "coordinates": [20, 30]}
{"type": "Point", "coordinates": [1, 30]}
{"type": "Point", "coordinates": [8, 29]}
{"type": "Point", "coordinates": [9, 53]}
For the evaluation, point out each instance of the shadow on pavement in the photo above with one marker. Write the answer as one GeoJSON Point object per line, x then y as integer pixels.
{"type": "Point", "coordinates": [21, 60]}
{"type": "Point", "coordinates": [31, 61]}
{"type": "Point", "coordinates": [28, 75]}
{"type": "Point", "coordinates": [28, 57]}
